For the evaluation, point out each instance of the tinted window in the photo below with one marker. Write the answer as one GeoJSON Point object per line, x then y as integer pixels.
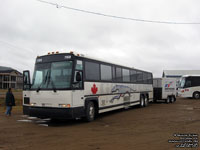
{"type": "Point", "coordinates": [126, 75]}
{"type": "Point", "coordinates": [133, 76]}
{"type": "Point", "coordinates": [150, 78]}
{"type": "Point", "coordinates": [106, 73]}
{"type": "Point", "coordinates": [145, 77]}
{"type": "Point", "coordinates": [91, 71]}
{"type": "Point", "coordinates": [139, 77]}
{"type": "Point", "coordinates": [113, 73]}
{"type": "Point", "coordinates": [118, 74]}
{"type": "Point", "coordinates": [192, 81]}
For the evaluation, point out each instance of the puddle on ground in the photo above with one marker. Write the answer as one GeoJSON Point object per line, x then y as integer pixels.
{"type": "Point", "coordinates": [189, 108]}
{"type": "Point", "coordinates": [38, 121]}
{"type": "Point", "coordinates": [24, 120]}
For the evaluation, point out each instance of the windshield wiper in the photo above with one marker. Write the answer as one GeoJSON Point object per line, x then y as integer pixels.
{"type": "Point", "coordinates": [53, 85]}
{"type": "Point", "coordinates": [54, 88]}
{"type": "Point", "coordinates": [43, 82]}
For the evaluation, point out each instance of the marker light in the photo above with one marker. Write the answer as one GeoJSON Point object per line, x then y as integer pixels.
{"type": "Point", "coordinates": [71, 52]}
{"type": "Point", "coordinates": [57, 52]}
{"type": "Point", "coordinates": [65, 105]}
{"type": "Point", "coordinates": [49, 53]}
{"type": "Point", "coordinates": [53, 52]}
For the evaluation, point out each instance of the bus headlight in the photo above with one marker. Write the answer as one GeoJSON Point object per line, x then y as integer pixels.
{"type": "Point", "coordinates": [65, 105]}
{"type": "Point", "coordinates": [32, 104]}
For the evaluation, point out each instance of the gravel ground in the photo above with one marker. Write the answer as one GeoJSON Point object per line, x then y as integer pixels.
{"type": "Point", "coordinates": [136, 128]}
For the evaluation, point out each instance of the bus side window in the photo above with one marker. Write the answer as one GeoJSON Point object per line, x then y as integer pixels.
{"type": "Point", "coordinates": [79, 65]}
{"type": "Point", "coordinates": [188, 84]}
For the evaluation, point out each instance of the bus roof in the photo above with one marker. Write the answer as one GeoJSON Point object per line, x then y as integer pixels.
{"type": "Point", "coordinates": [193, 75]}
{"type": "Point", "coordinates": [89, 58]}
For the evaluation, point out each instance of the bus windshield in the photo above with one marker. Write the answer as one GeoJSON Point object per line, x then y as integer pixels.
{"type": "Point", "coordinates": [182, 82]}
{"type": "Point", "coordinates": [54, 75]}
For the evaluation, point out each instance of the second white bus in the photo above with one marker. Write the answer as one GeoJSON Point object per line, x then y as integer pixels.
{"type": "Point", "coordinates": [189, 86]}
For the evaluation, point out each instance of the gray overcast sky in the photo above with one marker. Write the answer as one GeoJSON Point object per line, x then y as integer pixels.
{"type": "Point", "coordinates": [29, 28]}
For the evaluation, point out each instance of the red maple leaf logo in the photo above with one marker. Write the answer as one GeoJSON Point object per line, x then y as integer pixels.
{"type": "Point", "coordinates": [94, 89]}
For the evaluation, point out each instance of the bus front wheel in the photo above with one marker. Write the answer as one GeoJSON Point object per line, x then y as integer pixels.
{"type": "Point", "coordinates": [196, 95]}
{"type": "Point", "coordinates": [90, 112]}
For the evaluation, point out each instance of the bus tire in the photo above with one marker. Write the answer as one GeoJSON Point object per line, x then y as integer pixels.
{"type": "Point", "coordinates": [146, 101]}
{"type": "Point", "coordinates": [196, 95]}
{"type": "Point", "coordinates": [90, 112]}
{"type": "Point", "coordinates": [168, 100]}
{"type": "Point", "coordinates": [142, 101]}
{"type": "Point", "coordinates": [172, 100]}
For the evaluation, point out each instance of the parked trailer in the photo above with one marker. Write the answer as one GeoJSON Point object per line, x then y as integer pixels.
{"type": "Point", "coordinates": [164, 89]}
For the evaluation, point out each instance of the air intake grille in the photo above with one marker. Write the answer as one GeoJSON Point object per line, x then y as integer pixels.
{"type": "Point", "coordinates": [26, 100]}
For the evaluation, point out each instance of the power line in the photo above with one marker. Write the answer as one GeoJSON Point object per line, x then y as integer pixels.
{"type": "Point", "coordinates": [116, 17]}
{"type": "Point", "coordinates": [14, 46]}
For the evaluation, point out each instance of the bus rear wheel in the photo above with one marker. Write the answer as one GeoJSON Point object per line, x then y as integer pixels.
{"type": "Point", "coordinates": [168, 100]}
{"type": "Point", "coordinates": [90, 112]}
{"type": "Point", "coordinates": [142, 101]}
{"type": "Point", "coordinates": [146, 101]}
{"type": "Point", "coordinates": [196, 95]}
{"type": "Point", "coordinates": [172, 99]}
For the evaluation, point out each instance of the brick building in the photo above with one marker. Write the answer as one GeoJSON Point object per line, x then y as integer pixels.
{"type": "Point", "coordinates": [10, 78]}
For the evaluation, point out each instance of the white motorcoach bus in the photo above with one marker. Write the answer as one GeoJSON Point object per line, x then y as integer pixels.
{"type": "Point", "coordinates": [189, 86]}
{"type": "Point", "coordinates": [67, 86]}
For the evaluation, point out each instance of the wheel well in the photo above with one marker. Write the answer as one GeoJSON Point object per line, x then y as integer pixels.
{"type": "Point", "coordinates": [147, 95]}
{"type": "Point", "coordinates": [142, 95]}
{"type": "Point", "coordinates": [196, 92]}
{"type": "Point", "coordinates": [96, 103]}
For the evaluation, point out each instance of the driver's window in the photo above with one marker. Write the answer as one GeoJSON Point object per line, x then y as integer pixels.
{"type": "Point", "coordinates": [78, 84]}
{"type": "Point", "coordinates": [78, 75]}
{"type": "Point", "coordinates": [26, 80]}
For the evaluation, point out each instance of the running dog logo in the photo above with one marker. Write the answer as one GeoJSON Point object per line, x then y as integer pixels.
{"type": "Point", "coordinates": [122, 90]}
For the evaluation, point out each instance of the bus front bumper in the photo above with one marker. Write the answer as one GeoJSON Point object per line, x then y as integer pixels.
{"type": "Point", "coordinates": [55, 113]}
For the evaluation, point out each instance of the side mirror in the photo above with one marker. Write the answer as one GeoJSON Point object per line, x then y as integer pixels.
{"type": "Point", "coordinates": [78, 77]}
{"type": "Point", "coordinates": [26, 80]}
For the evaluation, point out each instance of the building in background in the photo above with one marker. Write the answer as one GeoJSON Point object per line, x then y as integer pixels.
{"type": "Point", "coordinates": [10, 78]}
